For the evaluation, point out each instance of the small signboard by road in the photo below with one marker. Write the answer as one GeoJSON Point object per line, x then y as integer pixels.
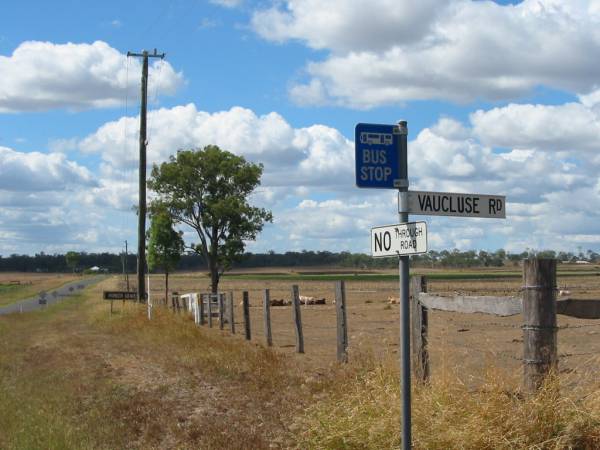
{"type": "Point", "coordinates": [119, 295]}
{"type": "Point", "coordinates": [398, 240]}
{"type": "Point", "coordinates": [453, 204]}
{"type": "Point", "coordinates": [377, 158]}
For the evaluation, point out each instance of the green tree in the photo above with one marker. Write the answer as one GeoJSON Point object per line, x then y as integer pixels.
{"type": "Point", "coordinates": [72, 259]}
{"type": "Point", "coordinates": [207, 189]}
{"type": "Point", "coordinates": [165, 245]}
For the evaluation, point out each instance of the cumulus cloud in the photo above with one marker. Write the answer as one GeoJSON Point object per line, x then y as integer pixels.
{"type": "Point", "coordinates": [538, 176]}
{"type": "Point", "coordinates": [39, 76]}
{"type": "Point", "coordinates": [32, 172]}
{"type": "Point", "coordinates": [41, 205]}
{"type": "Point", "coordinates": [316, 155]}
{"type": "Point", "coordinates": [572, 126]}
{"type": "Point", "coordinates": [403, 50]}
{"type": "Point", "coordinates": [553, 190]}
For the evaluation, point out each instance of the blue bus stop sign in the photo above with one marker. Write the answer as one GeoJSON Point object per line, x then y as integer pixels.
{"type": "Point", "coordinates": [377, 155]}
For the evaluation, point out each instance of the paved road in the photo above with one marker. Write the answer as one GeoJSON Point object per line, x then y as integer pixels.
{"type": "Point", "coordinates": [52, 296]}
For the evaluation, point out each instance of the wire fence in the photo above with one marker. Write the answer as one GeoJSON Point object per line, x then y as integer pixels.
{"type": "Point", "coordinates": [470, 342]}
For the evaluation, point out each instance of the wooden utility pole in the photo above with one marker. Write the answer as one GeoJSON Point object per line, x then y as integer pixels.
{"type": "Point", "coordinates": [141, 260]}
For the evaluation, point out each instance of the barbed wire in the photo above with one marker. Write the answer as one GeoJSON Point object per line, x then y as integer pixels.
{"type": "Point", "coordinates": [566, 327]}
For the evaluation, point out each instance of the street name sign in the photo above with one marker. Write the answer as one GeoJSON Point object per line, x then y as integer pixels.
{"type": "Point", "coordinates": [376, 155]}
{"type": "Point", "coordinates": [119, 295]}
{"type": "Point", "coordinates": [454, 204]}
{"type": "Point", "coordinates": [399, 240]}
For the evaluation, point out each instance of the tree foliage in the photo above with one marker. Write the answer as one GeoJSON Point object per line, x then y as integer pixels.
{"type": "Point", "coordinates": [72, 259]}
{"type": "Point", "coordinates": [165, 245]}
{"type": "Point", "coordinates": [208, 189]}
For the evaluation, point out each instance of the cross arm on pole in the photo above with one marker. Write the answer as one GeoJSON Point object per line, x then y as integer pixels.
{"type": "Point", "coordinates": [147, 54]}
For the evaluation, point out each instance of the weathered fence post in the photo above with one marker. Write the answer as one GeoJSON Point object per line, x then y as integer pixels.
{"type": "Point", "coordinates": [539, 321]}
{"type": "Point", "coordinates": [221, 312]}
{"type": "Point", "coordinates": [246, 308]}
{"type": "Point", "coordinates": [202, 297]}
{"type": "Point", "coordinates": [210, 321]}
{"type": "Point", "coordinates": [231, 318]}
{"type": "Point", "coordinates": [267, 318]}
{"type": "Point", "coordinates": [175, 301]}
{"type": "Point", "coordinates": [419, 321]}
{"type": "Point", "coordinates": [342, 322]}
{"type": "Point", "coordinates": [297, 319]}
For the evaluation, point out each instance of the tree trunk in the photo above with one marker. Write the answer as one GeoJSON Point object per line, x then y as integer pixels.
{"type": "Point", "coordinates": [166, 287]}
{"type": "Point", "coordinates": [214, 269]}
{"type": "Point", "coordinates": [214, 276]}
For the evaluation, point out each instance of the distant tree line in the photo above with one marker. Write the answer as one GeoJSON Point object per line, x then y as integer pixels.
{"type": "Point", "coordinates": [113, 263]}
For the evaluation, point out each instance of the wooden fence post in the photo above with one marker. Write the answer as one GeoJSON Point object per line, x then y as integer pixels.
{"type": "Point", "coordinates": [267, 318]}
{"type": "Point", "coordinates": [418, 330]}
{"type": "Point", "coordinates": [210, 321]}
{"type": "Point", "coordinates": [539, 321]}
{"type": "Point", "coordinates": [202, 297]}
{"type": "Point", "coordinates": [297, 319]}
{"type": "Point", "coordinates": [342, 322]}
{"type": "Point", "coordinates": [221, 312]}
{"type": "Point", "coordinates": [231, 318]}
{"type": "Point", "coordinates": [246, 307]}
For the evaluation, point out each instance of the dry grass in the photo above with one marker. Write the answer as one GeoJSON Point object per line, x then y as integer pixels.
{"type": "Point", "coordinates": [73, 376]}
{"type": "Point", "coordinates": [363, 412]}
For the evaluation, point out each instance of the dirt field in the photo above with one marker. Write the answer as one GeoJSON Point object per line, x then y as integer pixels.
{"type": "Point", "coordinates": [470, 342]}
{"type": "Point", "coordinates": [16, 286]}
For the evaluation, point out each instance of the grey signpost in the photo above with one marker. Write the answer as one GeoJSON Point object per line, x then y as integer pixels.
{"type": "Point", "coordinates": [404, 286]}
{"type": "Point", "coordinates": [381, 162]}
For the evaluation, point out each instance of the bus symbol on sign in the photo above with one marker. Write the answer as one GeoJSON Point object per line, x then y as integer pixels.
{"type": "Point", "coordinates": [376, 138]}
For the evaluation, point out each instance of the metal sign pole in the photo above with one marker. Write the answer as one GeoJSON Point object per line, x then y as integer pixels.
{"type": "Point", "coordinates": [403, 268]}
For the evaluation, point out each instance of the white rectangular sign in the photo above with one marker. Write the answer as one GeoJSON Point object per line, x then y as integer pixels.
{"type": "Point", "coordinates": [453, 204]}
{"type": "Point", "coordinates": [396, 240]}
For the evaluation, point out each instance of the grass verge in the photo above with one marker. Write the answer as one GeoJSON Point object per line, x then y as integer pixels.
{"type": "Point", "coordinates": [364, 413]}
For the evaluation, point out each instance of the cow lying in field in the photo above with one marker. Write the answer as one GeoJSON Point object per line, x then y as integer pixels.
{"type": "Point", "coordinates": [393, 300]}
{"type": "Point", "coordinates": [280, 302]}
{"type": "Point", "coordinates": [304, 300]}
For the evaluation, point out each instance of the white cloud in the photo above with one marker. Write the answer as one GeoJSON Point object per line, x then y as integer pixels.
{"type": "Point", "coordinates": [32, 172]}
{"type": "Point", "coordinates": [345, 26]}
{"type": "Point", "coordinates": [304, 164]}
{"type": "Point", "coordinates": [568, 127]}
{"type": "Point", "coordinates": [39, 76]}
{"type": "Point", "coordinates": [316, 155]}
{"type": "Point", "coordinates": [553, 193]}
{"type": "Point", "coordinates": [384, 52]}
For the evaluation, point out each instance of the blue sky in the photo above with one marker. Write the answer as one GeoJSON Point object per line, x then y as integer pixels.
{"type": "Point", "coordinates": [500, 98]}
